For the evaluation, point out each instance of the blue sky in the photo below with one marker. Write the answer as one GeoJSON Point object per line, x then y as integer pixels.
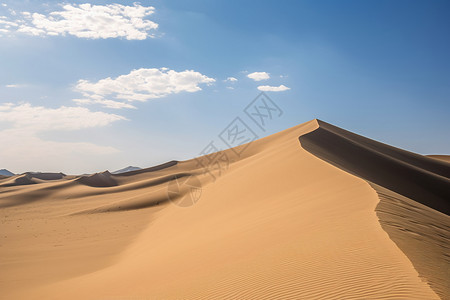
{"type": "Point", "coordinates": [144, 83]}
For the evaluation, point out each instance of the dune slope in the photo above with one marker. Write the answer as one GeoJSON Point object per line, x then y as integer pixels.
{"type": "Point", "coordinates": [276, 223]}
{"type": "Point", "coordinates": [414, 192]}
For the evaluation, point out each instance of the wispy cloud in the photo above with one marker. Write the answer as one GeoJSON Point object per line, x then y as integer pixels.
{"type": "Point", "coordinates": [14, 85]}
{"type": "Point", "coordinates": [39, 118]}
{"type": "Point", "coordinates": [258, 76]}
{"type": "Point", "coordinates": [26, 150]}
{"type": "Point", "coordinates": [140, 85]}
{"type": "Point", "coordinates": [88, 21]}
{"type": "Point", "coordinates": [104, 102]}
{"type": "Point", "coordinates": [6, 25]}
{"type": "Point", "coordinates": [231, 79]}
{"type": "Point", "coordinates": [268, 88]}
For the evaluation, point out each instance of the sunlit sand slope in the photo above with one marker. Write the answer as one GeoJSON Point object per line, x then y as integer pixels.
{"type": "Point", "coordinates": [279, 223]}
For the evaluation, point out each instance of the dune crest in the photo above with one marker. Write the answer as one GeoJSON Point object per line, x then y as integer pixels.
{"type": "Point", "coordinates": [445, 158]}
{"type": "Point", "coordinates": [416, 176]}
{"type": "Point", "coordinates": [414, 192]}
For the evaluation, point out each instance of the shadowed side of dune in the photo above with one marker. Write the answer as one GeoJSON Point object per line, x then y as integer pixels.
{"type": "Point", "coordinates": [46, 176]}
{"type": "Point", "coordinates": [24, 179]}
{"type": "Point", "coordinates": [103, 179]}
{"type": "Point", "coordinates": [143, 198]}
{"type": "Point", "coordinates": [31, 178]}
{"type": "Point", "coordinates": [422, 233]}
{"type": "Point", "coordinates": [420, 178]}
{"type": "Point", "coordinates": [36, 193]}
{"type": "Point", "coordinates": [414, 194]}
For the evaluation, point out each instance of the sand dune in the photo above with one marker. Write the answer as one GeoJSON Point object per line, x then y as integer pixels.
{"type": "Point", "coordinates": [151, 169]}
{"type": "Point", "coordinates": [104, 179]}
{"type": "Point", "coordinates": [280, 222]}
{"type": "Point", "coordinates": [47, 176]}
{"type": "Point", "coordinates": [445, 158]}
{"type": "Point", "coordinates": [31, 178]}
{"type": "Point", "coordinates": [19, 180]}
{"type": "Point", "coordinates": [421, 178]}
{"type": "Point", "coordinates": [422, 233]}
{"type": "Point", "coordinates": [404, 181]}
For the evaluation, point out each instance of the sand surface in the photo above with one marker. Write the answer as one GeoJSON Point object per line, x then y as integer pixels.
{"type": "Point", "coordinates": [279, 222]}
{"type": "Point", "coordinates": [445, 158]}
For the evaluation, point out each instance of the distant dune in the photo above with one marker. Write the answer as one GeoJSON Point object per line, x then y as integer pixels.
{"type": "Point", "coordinates": [31, 178]}
{"type": "Point", "coordinates": [125, 170]}
{"type": "Point", "coordinates": [312, 212]}
{"type": "Point", "coordinates": [4, 172]}
{"type": "Point", "coordinates": [104, 179]}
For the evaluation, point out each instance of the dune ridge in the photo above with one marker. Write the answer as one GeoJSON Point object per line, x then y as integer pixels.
{"type": "Point", "coordinates": [278, 223]}
{"type": "Point", "coordinates": [31, 178]}
{"type": "Point", "coordinates": [421, 178]}
{"type": "Point", "coordinates": [151, 169]}
{"type": "Point", "coordinates": [445, 158]}
{"type": "Point", "coordinates": [414, 193]}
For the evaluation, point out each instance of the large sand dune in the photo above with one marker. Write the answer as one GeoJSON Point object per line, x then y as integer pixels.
{"type": "Point", "coordinates": [414, 192]}
{"type": "Point", "coordinates": [287, 219]}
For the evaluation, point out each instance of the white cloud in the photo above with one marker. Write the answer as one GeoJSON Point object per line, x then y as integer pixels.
{"type": "Point", "coordinates": [258, 76]}
{"type": "Point", "coordinates": [142, 85]}
{"type": "Point", "coordinates": [6, 25]}
{"type": "Point", "coordinates": [231, 79]}
{"type": "Point", "coordinates": [31, 30]}
{"type": "Point", "coordinates": [26, 146]}
{"type": "Point", "coordinates": [23, 148]}
{"type": "Point", "coordinates": [39, 118]}
{"type": "Point", "coordinates": [268, 88]}
{"type": "Point", "coordinates": [25, 151]}
{"type": "Point", "coordinates": [92, 21]}
{"type": "Point", "coordinates": [13, 85]}
{"type": "Point", "coordinates": [104, 102]}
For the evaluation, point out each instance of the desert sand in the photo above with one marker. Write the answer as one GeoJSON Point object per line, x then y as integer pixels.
{"type": "Point", "coordinates": [312, 212]}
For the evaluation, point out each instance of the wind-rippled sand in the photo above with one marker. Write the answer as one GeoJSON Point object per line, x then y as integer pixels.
{"type": "Point", "coordinates": [297, 216]}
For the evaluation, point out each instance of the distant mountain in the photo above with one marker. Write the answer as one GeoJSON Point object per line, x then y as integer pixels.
{"type": "Point", "coordinates": [127, 169]}
{"type": "Point", "coordinates": [5, 172]}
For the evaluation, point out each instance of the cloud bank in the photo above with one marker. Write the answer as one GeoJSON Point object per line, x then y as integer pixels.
{"type": "Point", "coordinates": [25, 150]}
{"type": "Point", "coordinates": [39, 118]}
{"type": "Point", "coordinates": [140, 85]}
{"type": "Point", "coordinates": [87, 21]}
